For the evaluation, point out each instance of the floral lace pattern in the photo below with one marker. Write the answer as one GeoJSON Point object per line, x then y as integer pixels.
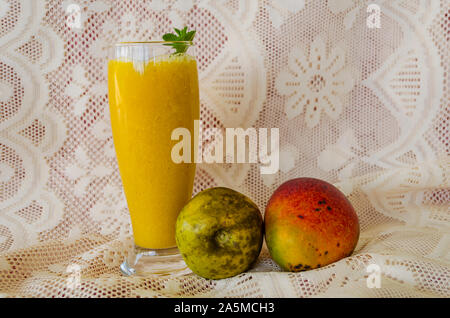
{"type": "Point", "coordinates": [316, 83]}
{"type": "Point", "coordinates": [363, 107]}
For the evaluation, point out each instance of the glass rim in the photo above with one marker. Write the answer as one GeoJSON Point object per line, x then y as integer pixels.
{"type": "Point", "coordinates": [130, 43]}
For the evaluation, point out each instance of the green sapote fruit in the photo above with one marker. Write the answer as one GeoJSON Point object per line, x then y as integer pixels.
{"type": "Point", "coordinates": [219, 233]}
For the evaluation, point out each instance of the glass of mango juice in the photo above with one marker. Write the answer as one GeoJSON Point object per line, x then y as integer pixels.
{"type": "Point", "coordinates": [152, 91]}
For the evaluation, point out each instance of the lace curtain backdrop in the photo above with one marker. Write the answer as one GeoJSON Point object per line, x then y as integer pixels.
{"type": "Point", "coordinates": [374, 121]}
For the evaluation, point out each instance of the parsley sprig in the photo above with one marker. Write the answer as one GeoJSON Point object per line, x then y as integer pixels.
{"type": "Point", "coordinates": [181, 35]}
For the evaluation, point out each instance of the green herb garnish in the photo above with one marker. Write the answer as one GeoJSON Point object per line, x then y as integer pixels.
{"type": "Point", "coordinates": [181, 35]}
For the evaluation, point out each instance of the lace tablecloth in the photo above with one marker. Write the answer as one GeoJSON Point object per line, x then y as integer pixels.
{"type": "Point", "coordinates": [374, 121]}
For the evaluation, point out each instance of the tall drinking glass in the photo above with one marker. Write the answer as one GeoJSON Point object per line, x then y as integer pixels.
{"type": "Point", "coordinates": [152, 92]}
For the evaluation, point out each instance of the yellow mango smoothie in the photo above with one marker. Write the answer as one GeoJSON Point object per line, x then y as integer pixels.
{"type": "Point", "coordinates": [148, 100]}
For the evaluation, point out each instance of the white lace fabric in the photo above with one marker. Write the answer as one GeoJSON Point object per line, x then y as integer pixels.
{"type": "Point", "coordinates": [371, 114]}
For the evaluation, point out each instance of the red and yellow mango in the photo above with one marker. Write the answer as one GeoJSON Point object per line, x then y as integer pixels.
{"type": "Point", "coordinates": [309, 223]}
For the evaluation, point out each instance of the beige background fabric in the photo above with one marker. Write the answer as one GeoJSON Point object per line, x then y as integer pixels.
{"type": "Point", "coordinates": [380, 132]}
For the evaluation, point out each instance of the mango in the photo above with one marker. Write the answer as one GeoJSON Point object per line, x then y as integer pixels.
{"type": "Point", "coordinates": [309, 223]}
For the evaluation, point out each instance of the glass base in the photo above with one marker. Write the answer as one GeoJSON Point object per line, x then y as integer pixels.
{"type": "Point", "coordinates": [145, 261]}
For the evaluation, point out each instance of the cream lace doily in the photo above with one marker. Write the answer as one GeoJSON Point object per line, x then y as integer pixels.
{"type": "Point", "coordinates": [374, 121]}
